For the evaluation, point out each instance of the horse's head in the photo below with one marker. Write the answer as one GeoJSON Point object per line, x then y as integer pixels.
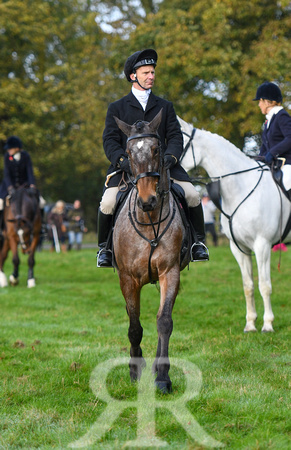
{"type": "Point", "coordinates": [144, 151]}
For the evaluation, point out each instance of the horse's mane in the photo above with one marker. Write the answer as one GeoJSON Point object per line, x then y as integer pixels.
{"type": "Point", "coordinates": [140, 125]}
{"type": "Point", "coordinates": [222, 140]}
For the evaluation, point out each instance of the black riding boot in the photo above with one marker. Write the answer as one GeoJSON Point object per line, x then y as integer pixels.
{"type": "Point", "coordinates": [199, 251]}
{"type": "Point", "coordinates": [104, 225]}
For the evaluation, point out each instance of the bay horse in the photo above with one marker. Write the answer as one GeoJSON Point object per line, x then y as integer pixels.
{"type": "Point", "coordinates": [255, 211]}
{"type": "Point", "coordinates": [147, 240]}
{"type": "Point", "coordinates": [22, 219]}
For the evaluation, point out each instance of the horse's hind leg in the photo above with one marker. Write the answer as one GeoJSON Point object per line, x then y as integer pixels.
{"type": "Point", "coordinates": [131, 292]}
{"type": "Point", "coordinates": [246, 267]}
{"type": "Point", "coordinates": [169, 286]}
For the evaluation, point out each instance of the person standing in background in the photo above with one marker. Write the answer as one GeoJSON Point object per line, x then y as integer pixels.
{"type": "Point", "coordinates": [76, 226]}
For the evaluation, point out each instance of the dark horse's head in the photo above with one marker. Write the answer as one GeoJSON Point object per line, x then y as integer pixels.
{"type": "Point", "coordinates": [21, 217]}
{"type": "Point", "coordinates": [144, 151]}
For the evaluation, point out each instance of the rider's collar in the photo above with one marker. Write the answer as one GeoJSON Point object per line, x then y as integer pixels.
{"type": "Point", "coordinates": [272, 112]}
{"type": "Point", "coordinates": [17, 156]}
{"type": "Point", "coordinates": [141, 96]}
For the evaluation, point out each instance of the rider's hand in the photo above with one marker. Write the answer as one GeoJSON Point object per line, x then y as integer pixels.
{"type": "Point", "coordinates": [32, 190]}
{"type": "Point", "coordinates": [169, 161]}
{"type": "Point", "coordinates": [124, 164]}
{"type": "Point", "coordinates": [269, 158]}
{"type": "Point", "coordinates": [11, 190]}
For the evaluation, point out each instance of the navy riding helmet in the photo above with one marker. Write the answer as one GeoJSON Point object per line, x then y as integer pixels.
{"type": "Point", "coordinates": [269, 91]}
{"type": "Point", "coordinates": [13, 142]}
{"type": "Point", "coordinates": [148, 57]}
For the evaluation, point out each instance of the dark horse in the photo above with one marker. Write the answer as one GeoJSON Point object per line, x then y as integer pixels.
{"type": "Point", "coordinates": [147, 240]}
{"type": "Point", "coordinates": [22, 220]}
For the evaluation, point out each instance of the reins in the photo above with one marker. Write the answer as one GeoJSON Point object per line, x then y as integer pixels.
{"type": "Point", "coordinates": [132, 213]}
{"type": "Point", "coordinates": [153, 242]}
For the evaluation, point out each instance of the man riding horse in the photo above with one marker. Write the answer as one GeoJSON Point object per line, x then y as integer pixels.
{"type": "Point", "coordinates": [142, 104]}
{"type": "Point", "coordinates": [18, 171]}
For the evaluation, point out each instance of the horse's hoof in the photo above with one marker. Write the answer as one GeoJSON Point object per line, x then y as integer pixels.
{"type": "Point", "coordinates": [3, 280]}
{"type": "Point", "coordinates": [136, 366]}
{"type": "Point", "coordinates": [165, 387]}
{"type": "Point", "coordinates": [250, 329]}
{"type": "Point", "coordinates": [13, 281]}
{"type": "Point", "coordinates": [31, 283]}
{"type": "Point", "coordinates": [268, 329]}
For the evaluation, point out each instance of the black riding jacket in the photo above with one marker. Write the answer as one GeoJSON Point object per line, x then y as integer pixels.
{"type": "Point", "coordinates": [129, 110]}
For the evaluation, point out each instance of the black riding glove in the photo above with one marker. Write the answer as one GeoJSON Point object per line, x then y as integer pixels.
{"type": "Point", "coordinates": [32, 190]}
{"type": "Point", "coordinates": [124, 164]}
{"type": "Point", "coordinates": [169, 161]}
{"type": "Point", "coordinates": [269, 158]}
{"type": "Point", "coordinates": [11, 190]}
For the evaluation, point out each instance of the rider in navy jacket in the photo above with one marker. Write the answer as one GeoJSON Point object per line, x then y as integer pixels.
{"type": "Point", "coordinates": [142, 104]}
{"type": "Point", "coordinates": [276, 137]}
{"type": "Point", "coordinates": [18, 171]}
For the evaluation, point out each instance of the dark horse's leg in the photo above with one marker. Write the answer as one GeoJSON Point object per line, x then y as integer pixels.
{"type": "Point", "coordinates": [31, 260]}
{"type": "Point", "coordinates": [131, 292]}
{"type": "Point", "coordinates": [169, 287]}
{"type": "Point", "coordinates": [32, 250]}
{"type": "Point", "coordinates": [13, 279]}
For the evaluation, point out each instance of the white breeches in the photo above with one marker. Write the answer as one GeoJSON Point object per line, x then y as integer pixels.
{"type": "Point", "coordinates": [287, 176]}
{"type": "Point", "coordinates": [108, 201]}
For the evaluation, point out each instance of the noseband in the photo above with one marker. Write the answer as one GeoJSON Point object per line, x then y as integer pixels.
{"type": "Point", "coordinates": [141, 136]}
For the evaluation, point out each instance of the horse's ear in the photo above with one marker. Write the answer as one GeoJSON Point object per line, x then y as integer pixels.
{"type": "Point", "coordinates": [155, 123]}
{"type": "Point", "coordinates": [123, 126]}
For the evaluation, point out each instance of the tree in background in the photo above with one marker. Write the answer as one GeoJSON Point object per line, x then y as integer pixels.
{"type": "Point", "coordinates": [62, 64]}
{"type": "Point", "coordinates": [213, 54]}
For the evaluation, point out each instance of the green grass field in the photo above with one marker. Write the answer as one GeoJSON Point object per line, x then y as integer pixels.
{"type": "Point", "coordinates": [52, 338]}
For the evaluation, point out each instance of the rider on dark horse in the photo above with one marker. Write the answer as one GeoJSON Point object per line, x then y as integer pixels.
{"type": "Point", "coordinates": [142, 104]}
{"type": "Point", "coordinates": [18, 171]}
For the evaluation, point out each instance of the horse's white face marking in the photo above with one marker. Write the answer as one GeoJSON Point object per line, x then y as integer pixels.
{"type": "Point", "coordinates": [139, 144]}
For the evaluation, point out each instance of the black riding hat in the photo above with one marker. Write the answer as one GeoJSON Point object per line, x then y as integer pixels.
{"type": "Point", "coordinates": [148, 57]}
{"type": "Point", "coordinates": [269, 91]}
{"type": "Point", "coordinates": [13, 142]}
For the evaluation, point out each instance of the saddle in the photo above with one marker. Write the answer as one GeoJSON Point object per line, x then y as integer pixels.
{"type": "Point", "coordinates": [277, 175]}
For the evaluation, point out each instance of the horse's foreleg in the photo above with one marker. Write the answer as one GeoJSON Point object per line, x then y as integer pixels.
{"type": "Point", "coordinates": [169, 287]}
{"type": "Point", "coordinates": [263, 257]}
{"type": "Point", "coordinates": [131, 292]}
{"type": "Point", "coordinates": [13, 279]}
{"type": "Point", "coordinates": [31, 262]}
{"type": "Point", "coordinates": [246, 268]}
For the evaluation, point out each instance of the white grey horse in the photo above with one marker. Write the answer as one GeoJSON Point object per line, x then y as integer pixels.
{"type": "Point", "coordinates": [255, 210]}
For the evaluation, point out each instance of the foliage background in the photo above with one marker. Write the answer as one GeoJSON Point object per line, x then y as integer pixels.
{"type": "Point", "coordinates": [62, 64]}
